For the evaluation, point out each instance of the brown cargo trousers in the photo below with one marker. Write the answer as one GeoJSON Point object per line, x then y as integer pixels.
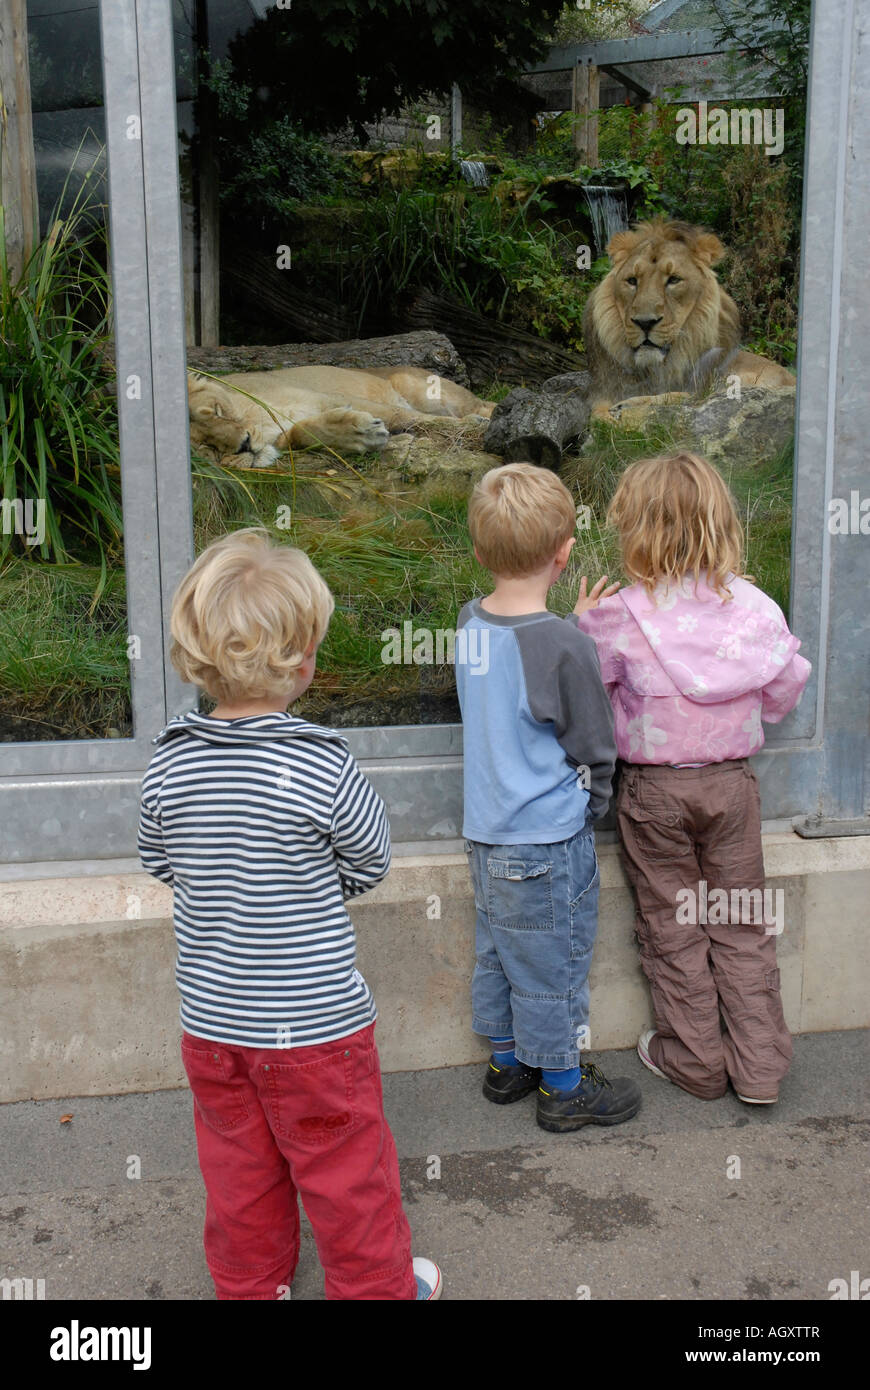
{"type": "Point", "coordinates": [686, 832]}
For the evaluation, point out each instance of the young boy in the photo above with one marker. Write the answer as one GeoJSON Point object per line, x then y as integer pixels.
{"type": "Point", "coordinates": [264, 825]}
{"type": "Point", "coordinates": [539, 758]}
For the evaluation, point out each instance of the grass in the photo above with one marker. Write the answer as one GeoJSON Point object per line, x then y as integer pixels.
{"type": "Point", "coordinates": [388, 553]}
{"type": "Point", "coordinates": [63, 660]}
{"type": "Point", "coordinates": [58, 423]}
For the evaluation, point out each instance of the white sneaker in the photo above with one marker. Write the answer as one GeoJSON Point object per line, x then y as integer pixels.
{"type": "Point", "coordinates": [643, 1053]}
{"type": "Point", "coordinates": [754, 1100]}
{"type": "Point", "coordinates": [429, 1281]}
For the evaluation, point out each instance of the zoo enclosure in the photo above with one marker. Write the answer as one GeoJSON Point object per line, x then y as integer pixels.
{"type": "Point", "coordinates": [67, 802]}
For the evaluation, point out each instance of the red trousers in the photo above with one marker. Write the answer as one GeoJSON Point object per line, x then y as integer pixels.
{"type": "Point", "coordinates": [272, 1125]}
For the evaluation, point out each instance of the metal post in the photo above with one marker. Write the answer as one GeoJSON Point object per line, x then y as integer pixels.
{"type": "Point", "coordinates": [831, 551]}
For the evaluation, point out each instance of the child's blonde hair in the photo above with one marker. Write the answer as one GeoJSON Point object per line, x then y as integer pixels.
{"type": "Point", "coordinates": [676, 517]}
{"type": "Point", "coordinates": [245, 615]}
{"type": "Point", "coordinates": [519, 515]}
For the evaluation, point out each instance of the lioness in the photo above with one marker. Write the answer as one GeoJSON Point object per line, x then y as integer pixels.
{"type": "Point", "coordinates": [309, 407]}
{"type": "Point", "coordinates": [660, 322]}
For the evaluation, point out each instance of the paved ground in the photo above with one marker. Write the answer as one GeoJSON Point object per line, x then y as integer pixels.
{"type": "Point", "coordinates": [643, 1211]}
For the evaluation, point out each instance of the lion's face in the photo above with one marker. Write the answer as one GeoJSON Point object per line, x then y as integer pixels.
{"type": "Point", "coordinates": [660, 284]}
{"type": "Point", "coordinates": [219, 419]}
{"type": "Point", "coordinates": [661, 307]}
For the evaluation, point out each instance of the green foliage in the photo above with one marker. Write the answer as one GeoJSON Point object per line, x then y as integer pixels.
{"type": "Point", "coordinates": [385, 558]}
{"type": "Point", "coordinates": [775, 32]}
{"type": "Point", "coordinates": [504, 262]}
{"type": "Point", "coordinates": [737, 191]}
{"type": "Point", "coordinates": [682, 181]}
{"type": "Point", "coordinates": [269, 165]}
{"type": "Point", "coordinates": [606, 19]}
{"type": "Point", "coordinates": [761, 268]}
{"type": "Point", "coordinates": [58, 423]}
{"type": "Point", "coordinates": [328, 63]}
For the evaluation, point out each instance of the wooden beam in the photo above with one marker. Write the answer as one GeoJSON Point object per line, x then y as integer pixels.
{"type": "Point", "coordinates": [17, 157]}
{"type": "Point", "coordinates": [646, 48]}
{"type": "Point", "coordinates": [660, 11]}
{"type": "Point", "coordinates": [625, 81]}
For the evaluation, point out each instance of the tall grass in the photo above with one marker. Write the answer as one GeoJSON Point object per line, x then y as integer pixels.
{"type": "Point", "coordinates": [63, 659]}
{"type": "Point", "coordinates": [386, 560]}
{"type": "Point", "coordinates": [58, 423]}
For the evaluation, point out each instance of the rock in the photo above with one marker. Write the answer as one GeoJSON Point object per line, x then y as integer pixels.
{"type": "Point", "coordinates": [408, 458]}
{"type": "Point", "coordinates": [396, 450]}
{"type": "Point", "coordinates": [757, 426]}
{"type": "Point", "coordinates": [431, 458]}
{"type": "Point", "coordinates": [399, 168]}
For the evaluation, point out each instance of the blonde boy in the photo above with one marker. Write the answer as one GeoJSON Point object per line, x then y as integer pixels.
{"type": "Point", "coordinates": [264, 825]}
{"type": "Point", "coordinates": [539, 758]}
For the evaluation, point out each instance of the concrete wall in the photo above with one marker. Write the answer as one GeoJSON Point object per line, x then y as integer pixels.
{"type": "Point", "coordinates": [89, 1007]}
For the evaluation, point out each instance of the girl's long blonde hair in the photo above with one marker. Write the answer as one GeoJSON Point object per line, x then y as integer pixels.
{"type": "Point", "coordinates": [675, 517]}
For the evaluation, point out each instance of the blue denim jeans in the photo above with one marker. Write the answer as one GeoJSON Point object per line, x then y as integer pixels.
{"type": "Point", "coordinates": [537, 915]}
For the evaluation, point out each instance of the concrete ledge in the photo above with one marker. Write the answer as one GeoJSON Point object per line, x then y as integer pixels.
{"type": "Point", "coordinates": [90, 1007]}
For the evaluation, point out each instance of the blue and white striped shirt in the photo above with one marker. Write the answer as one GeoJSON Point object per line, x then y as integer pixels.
{"type": "Point", "coordinates": [264, 826]}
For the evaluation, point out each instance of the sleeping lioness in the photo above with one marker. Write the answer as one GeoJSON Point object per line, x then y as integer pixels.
{"type": "Point", "coordinates": [338, 408]}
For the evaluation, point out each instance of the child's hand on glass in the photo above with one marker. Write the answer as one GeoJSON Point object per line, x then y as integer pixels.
{"type": "Point", "coordinates": [592, 600]}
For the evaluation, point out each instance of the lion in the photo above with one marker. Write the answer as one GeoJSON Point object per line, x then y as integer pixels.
{"type": "Point", "coordinates": [337, 408]}
{"type": "Point", "coordinates": [660, 324]}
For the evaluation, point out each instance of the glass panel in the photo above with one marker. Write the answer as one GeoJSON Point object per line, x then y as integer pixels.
{"type": "Point", "coordinates": [481, 213]}
{"type": "Point", "coordinates": [64, 660]}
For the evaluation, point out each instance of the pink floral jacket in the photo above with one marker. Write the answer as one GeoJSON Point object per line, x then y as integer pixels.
{"type": "Point", "coordinates": [691, 677]}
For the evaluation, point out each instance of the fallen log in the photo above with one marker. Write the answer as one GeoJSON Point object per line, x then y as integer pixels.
{"type": "Point", "coordinates": [568, 384]}
{"type": "Point", "coordinates": [419, 349]}
{"type": "Point", "coordinates": [536, 426]}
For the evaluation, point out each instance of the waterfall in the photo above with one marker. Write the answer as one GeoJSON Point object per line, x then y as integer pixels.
{"type": "Point", "coordinates": [608, 209]}
{"type": "Point", "coordinates": [474, 171]}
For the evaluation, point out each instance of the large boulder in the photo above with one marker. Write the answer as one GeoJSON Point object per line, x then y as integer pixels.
{"type": "Point", "coordinates": [726, 429]}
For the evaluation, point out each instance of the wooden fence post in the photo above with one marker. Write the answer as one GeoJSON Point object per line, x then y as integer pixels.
{"type": "Point", "coordinates": [585, 96]}
{"type": "Point", "coordinates": [17, 158]}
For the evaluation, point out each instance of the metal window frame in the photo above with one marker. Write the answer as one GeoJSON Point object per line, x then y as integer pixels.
{"type": "Point", "coordinates": [62, 801]}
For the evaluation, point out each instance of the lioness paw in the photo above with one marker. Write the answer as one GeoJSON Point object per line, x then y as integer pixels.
{"type": "Point", "coordinates": [356, 431]}
{"type": "Point", "coordinates": [345, 431]}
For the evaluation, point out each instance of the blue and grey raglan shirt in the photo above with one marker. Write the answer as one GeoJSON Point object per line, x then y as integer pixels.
{"type": "Point", "coordinates": [537, 723]}
{"type": "Point", "coordinates": [263, 826]}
